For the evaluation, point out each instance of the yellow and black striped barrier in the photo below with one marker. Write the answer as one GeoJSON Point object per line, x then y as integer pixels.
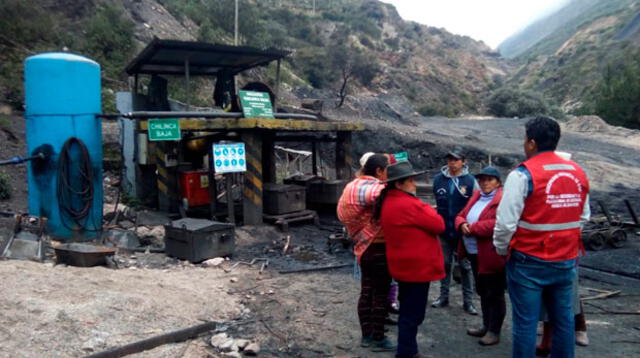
{"type": "Point", "coordinates": [252, 193]}
{"type": "Point", "coordinates": [167, 178]}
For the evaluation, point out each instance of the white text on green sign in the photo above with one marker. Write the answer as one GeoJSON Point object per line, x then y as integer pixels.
{"type": "Point", "coordinates": [164, 129]}
{"type": "Point", "coordinates": [256, 104]}
{"type": "Point", "coordinates": [401, 156]}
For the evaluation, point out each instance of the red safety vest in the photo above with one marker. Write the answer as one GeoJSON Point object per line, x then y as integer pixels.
{"type": "Point", "coordinates": [549, 227]}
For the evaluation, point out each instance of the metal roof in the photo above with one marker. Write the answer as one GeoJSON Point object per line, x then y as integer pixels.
{"type": "Point", "coordinates": [169, 57]}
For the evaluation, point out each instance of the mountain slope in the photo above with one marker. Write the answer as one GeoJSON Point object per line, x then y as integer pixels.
{"type": "Point", "coordinates": [437, 71]}
{"type": "Point", "coordinates": [588, 36]}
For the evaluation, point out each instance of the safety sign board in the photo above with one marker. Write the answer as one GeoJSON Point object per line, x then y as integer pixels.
{"type": "Point", "coordinates": [401, 156]}
{"type": "Point", "coordinates": [229, 158]}
{"type": "Point", "coordinates": [256, 104]}
{"type": "Point", "coordinates": [164, 129]}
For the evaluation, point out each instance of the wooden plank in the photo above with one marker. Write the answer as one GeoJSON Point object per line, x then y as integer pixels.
{"type": "Point", "coordinates": [203, 124]}
{"type": "Point", "coordinates": [344, 160]}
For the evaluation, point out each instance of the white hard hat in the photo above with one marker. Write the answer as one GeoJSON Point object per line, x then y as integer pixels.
{"type": "Point", "coordinates": [365, 157]}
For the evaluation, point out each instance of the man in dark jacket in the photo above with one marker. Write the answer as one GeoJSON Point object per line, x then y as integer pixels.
{"type": "Point", "coordinates": [453, 188]}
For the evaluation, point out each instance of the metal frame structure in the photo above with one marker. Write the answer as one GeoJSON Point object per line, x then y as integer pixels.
{"type": "Point", "coordinates": [259, 134]}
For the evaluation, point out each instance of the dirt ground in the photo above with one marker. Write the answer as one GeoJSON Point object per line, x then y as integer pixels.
{"type": "Point", "coordinates": [63, 311]}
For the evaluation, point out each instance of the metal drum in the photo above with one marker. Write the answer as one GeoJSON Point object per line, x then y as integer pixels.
{"type": "Point", "coordinates": [62, 97]}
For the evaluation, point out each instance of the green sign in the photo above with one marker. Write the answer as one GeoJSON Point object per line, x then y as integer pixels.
{"type": "Point", "coordinates": [401, 156]}
{"type": "Point", "coordinates": [164, 129]}
{"type": "Point", "coordinates": [256, 104]}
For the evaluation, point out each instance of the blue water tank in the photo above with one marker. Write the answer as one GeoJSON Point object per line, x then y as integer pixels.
{"type": "Point", "coordinates": [62, 98]}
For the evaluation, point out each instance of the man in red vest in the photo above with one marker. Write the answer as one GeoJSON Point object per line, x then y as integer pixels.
{"type": "Point", "coordinates": [538, 225]}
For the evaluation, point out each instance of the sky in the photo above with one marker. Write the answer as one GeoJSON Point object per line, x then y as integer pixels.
{"type": "Point", "coordinates": [491, 21]}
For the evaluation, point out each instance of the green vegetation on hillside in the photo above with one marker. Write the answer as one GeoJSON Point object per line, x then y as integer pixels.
{"type": "Point", "coordinates": [512, 102]}
{"type": "Point", "coordinates": [584, 39]}
{"type": "Point", "coordinates": [617, 98]}
{"type": "Point", "coordinates": [102, 33]}
{"type": "Point", "coordinates": [5, 187]}
{"type": "Point", "coordinates": [342, 46]}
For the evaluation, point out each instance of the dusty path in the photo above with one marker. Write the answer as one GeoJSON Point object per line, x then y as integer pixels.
{"type": "Point", "coordinates": [48, 311]}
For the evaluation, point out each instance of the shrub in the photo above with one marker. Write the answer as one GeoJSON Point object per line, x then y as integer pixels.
{"type": "Point", "coordinates": [109, 39]}
{"type": "Point", "coordinates": [5, 187]}
{"type": "Point", "coordinates": [510, 102]}
{"type": "Point", "coordinates": [618, 95]}
{"type": "Point", "coordinates": [437, 109]}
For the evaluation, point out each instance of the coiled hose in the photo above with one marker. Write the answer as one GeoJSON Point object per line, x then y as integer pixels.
{"type": "Point", "coordinates": [75, 187]}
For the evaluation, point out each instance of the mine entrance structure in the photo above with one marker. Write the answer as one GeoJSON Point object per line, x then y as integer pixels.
{"type": "Point", "coordinates": [153, 169]}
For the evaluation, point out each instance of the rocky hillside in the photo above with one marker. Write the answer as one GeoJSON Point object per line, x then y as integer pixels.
{"type": "Point", "coordinates": [438, 72]}
{"type": "Point", "coordinates": [567, 55]}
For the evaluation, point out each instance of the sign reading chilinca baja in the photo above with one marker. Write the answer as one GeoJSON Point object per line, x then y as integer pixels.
{"type": "Point", "coordinates": [164, 129]}
{"type": "Point", "coordinates": [256, 104]}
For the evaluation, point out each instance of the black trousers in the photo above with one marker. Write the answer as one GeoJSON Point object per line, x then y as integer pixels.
{"type": "Point", "coordinates": [490, 288]}
{"type": "Point", "coordinates": [375, 284]}
{"type": "Point", "coordinates": [413, 304]}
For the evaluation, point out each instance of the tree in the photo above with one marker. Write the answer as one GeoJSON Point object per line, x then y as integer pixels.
{"type": "Point", "coordinates": [351, 64]}
{"type": "Point", "coordinates": [617, 98]}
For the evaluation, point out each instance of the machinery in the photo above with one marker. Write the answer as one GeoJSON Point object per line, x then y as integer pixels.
{"type": "Point", "coordinates": [598, 233]}
{"type": "Point", "coordinates": [178, 175]}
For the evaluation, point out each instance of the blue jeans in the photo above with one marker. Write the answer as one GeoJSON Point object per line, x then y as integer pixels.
{"type": "Point", "coordinates": [413, 304]}
{"type": "Point", "coordinates": [532, 282]}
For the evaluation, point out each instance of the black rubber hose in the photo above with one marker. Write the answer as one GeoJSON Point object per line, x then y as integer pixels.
{"type": "Point", "coordinates": [75, 200]}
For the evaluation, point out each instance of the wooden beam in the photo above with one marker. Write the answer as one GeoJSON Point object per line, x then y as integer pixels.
{"type": "Point", "coordinates": [344, 159]}
{"type": "Point", "coordinates": [203, 124]}
{"type": "Point", "coordinates": [304, 138]}
{"type": "Point", "coordinates": [268, 158]}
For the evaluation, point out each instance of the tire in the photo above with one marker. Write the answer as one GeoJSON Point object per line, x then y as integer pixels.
{"type": "Point", "coordinates": [616, 238]}
{"type": "Point", "coordinates": [596, 241]}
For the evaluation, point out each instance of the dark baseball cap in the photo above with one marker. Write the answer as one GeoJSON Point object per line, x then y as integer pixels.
{"type": "Point", "coordinates": [456, 153]}
{"type": "Point", "coordinates": [490, 171]}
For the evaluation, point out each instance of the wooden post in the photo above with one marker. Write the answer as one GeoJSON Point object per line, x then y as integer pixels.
{"type": "Point", "coordinates": [213, 192]}
{"type": "Point", "coordinates": [166, 166]}
{"type": "Point", "coordinates": [268, 157]}
{"type": "Point", "coordinates": [275, 102]}
{"type": "Point", "coordinates": [344, 160]}
{"type": "Point", "coordinates": [314, 158]}
{"type": "Point", "coordinates": [231, 215]}
{"type": "Point", "coordinates": [252, 193]}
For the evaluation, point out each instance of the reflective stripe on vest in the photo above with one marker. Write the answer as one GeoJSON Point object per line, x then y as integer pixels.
{"type": "Point", "coordinates": [558, 167]}
{"type": "Point", "coordinates": [549, 227]}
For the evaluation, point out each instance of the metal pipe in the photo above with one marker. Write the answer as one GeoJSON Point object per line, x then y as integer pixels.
{"type": "Point", "coordinates": [632, 212]}
{"type": "Point", "coordinates": [186, 75]}
{"type": "Point", "coordinates": [275, 102]}
{"type": "Point", "coordinates": [20, 160]}
{"type": "Point", "coordinates": [294, 116]}
{"type": "Point", "coordinates": [155, 341]}
{"type": "Point", "coordinates": [605, 211]}
{"type": "Point", "coordinates": [235, 38]}
{"type": "Point", "coordinates": [188, 114]}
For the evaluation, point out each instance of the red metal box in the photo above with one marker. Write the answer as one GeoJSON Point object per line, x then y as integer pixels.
{"type": "Point", "coordinates": [194, 188]}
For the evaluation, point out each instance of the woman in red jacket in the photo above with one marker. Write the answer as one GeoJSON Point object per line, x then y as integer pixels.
{"type": "Point", "coordinates": [476, 222]}
{"type": "Point", "coordinates": [414, 255]}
